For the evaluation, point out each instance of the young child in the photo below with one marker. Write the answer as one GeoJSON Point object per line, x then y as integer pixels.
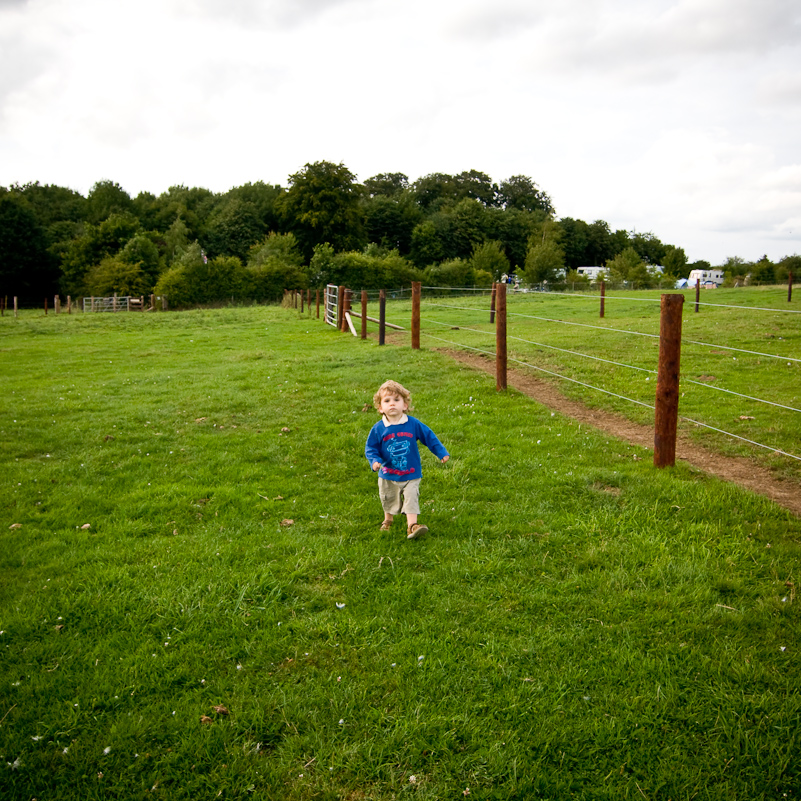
{"type": "Point", "coordinates": [391, 449]}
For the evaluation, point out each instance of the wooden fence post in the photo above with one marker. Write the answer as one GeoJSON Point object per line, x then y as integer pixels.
{"type": "Point", "coordinates": [603, 298]}
{"type": "Point", "coordinates": [69, 304]}
{"type": "Point", "coordinates": [382, 316]}
{"type": "Point", "coordinates": [500, 339]}
{"type": "Point", "coordinates": [415, 315]}
{"type": "Point", "coordinates": [345, 308]}
{"type": "Point", "coordinates": [697, 293]}
{"type": "Point", "coordinates": [15, 306]}
{"type": "Point", "coordinates": [45, 307]}
{"type": "Point", "coordinates": [667, 382]}
{"type": "Point", "coordinates": [318, 304]}
{"type": "Point", "coordinates": [340, 305]}
{"type": "Point", "coordinates": [364, 314]}
{"type": "Point", "coordinates": [789, 286]}
{"type": "Point", "coordinates": [492, 303]}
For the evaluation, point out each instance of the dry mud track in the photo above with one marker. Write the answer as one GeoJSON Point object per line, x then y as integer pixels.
{"type": "Point", "coordinates": [737, 470]}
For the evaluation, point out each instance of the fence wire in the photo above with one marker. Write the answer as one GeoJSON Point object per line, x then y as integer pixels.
{"type": "Point", "coordinates": [684, 379]}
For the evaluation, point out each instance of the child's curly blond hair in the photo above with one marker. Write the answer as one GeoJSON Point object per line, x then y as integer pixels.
{"type": "Point", "coordinates": [396, 389]}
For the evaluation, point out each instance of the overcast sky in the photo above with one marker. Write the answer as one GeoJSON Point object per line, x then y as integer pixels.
{"type": "Point", "coordinates": [678, 117]}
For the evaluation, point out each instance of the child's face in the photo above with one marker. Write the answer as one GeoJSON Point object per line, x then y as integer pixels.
{"type": "Point", "coordinates": [393, 406]}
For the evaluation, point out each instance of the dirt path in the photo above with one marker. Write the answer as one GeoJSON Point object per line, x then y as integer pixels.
{"type": "Point", "coordinates": [730, 468]}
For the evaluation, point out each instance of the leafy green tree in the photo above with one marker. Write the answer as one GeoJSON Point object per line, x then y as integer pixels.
{"type": "Point", "coordinates": [264, 198]}
{"type": "Point", "coordinates": [545, 258]}
{"type": "Point", "coordinates": [116, 276]}
{"type": "Point", "coordinates": [438, 190]}
{"type": "Point", "coordinates": [95, 243]}
{"type": "Point", "coordinates": [27, 269]}
{"type": "Point", "coordinates": [600, 244]}
{"type": "Point", "coordinates": [279, 247]}
{"type": "Point", "coordinates": [390, 220]}
{"type": "Point", "coordinates": [573, 279]}
{"type": "Point", "coordinates": [193, 280]}
{"type": "Point", "coordinates": [648, 247]}
{"type": "Point", "coordinates": [452, 272]}
{"type": "Point", "coordinates": [520, 192]}
{"type": "Point", "coordinates": [489, 257]}
{"type": "Point", "coordinates": [322, 204]}
{"type": "Point", "coordinates": [141, 252]}
{"type": "Point", "coordinates": [176, 239]}
{"type": "Point", "coordinates": [427, 246]}
{"type": "Point", "coordinates": [789, 264]}
{"type": "Point", "coordinates": [544, 262]}
{"type": "Point", "coordinates": [233, 229]}
{"type": "Point", "coordinates": [675, 262]}
{"type": "Point", "coordinates": [629, 267]}
{"type": "Point", "coordinates": [387, 184]}
{"type": "Point", "coordinates": [321, 265]}
{"type": "Point", "coordinates": [514, 228]}
{"type": "Point", "coordinates": [106, 198]}
{"type": "Point", "coordinates": [763, 272]}
{"type": "Point", "coordinates": [434, 190]}
{"type": "Point", "coordinates": [575, 242]}
{"type": "Point", "coordinates": [476, 185]}
{"type": "Point", "coordinates": [53, 204]}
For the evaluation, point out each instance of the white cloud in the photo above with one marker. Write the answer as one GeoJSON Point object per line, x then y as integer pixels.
{"type": "Point", "coordinates": [675, 116]}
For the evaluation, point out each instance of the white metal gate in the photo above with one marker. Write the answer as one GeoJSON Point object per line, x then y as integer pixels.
{"type": "Point", "coordinates": [331, 300]}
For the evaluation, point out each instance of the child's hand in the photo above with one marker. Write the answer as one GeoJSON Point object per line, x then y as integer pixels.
{"type": "Point", "coordinates": [445, 459]}
{"type": "Point", "coordinates": [377, 466]}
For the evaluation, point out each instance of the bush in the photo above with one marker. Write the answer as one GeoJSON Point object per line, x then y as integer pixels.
{"type": "Point", "coordinates": [193, 280]}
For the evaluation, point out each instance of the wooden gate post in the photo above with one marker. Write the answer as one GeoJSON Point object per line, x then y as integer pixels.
{"type": "Point", "coordinates": [492, 303]}
{"type": "Point", "coordinates": [500, 338]}
{"type": "Point", "coordinates": [415, 315]}
{"type": "Point", "coordinates": [667, 382]}
{"type": "Point", "coordinates": [382, 316]}
{"type": "Point", "coordinates": [603, 298]}
{"type": "Point", "coordinates": [340, 305]}
{"type": "Point", "coordinates": [364, 314]}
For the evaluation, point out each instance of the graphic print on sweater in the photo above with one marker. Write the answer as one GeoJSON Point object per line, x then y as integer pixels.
{"type": "Point", "coordinates": [398, 449]}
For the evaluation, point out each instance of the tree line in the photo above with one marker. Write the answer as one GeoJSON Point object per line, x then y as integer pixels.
{"type": "Point", "coordinates": [256, 240]}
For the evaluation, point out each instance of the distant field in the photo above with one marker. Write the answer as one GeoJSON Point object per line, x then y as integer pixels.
{"type": "Point", "coordinates": [196, 601]}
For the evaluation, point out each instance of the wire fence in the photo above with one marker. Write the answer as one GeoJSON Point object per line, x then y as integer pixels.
{"type": "Point", "coordinates": [551, 335]}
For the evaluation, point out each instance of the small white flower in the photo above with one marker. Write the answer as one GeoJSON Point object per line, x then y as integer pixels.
{"type": "Point", "coordinates": [783, 647]}
{"type": "Point", "coordinates": [342, 721]}
{"type": "Point", "coordinates": [413, 779]}
{"type": "Point", "coordinates": [420, 658]}
{"type": "Point", "coordinates": [107, 749]}
{"type": "Point", "coordinates": [340, 606]}
{"type": "Point", "coordinates": [36, 738]}
{"type": "Point", "coordinates": [64, 750]}
{"type": "Point", "coordinates": [239, 667]}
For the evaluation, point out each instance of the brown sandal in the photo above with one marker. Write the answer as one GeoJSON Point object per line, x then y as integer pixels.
{"type": "Point", "coordinates": [386, 525]}
{"type": "Point", "coordinates": [413, 532]}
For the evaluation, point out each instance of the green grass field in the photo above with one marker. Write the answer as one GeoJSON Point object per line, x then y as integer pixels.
{"type": "Point", "coordinates": [577, 624]}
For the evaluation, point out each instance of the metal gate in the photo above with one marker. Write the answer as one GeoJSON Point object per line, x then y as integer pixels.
{"type": "Point", "coordinates": [331, 300]}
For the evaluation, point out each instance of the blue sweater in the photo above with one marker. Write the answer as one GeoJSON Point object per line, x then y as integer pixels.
{"type": "Point", "coordinates": [396, 448]}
